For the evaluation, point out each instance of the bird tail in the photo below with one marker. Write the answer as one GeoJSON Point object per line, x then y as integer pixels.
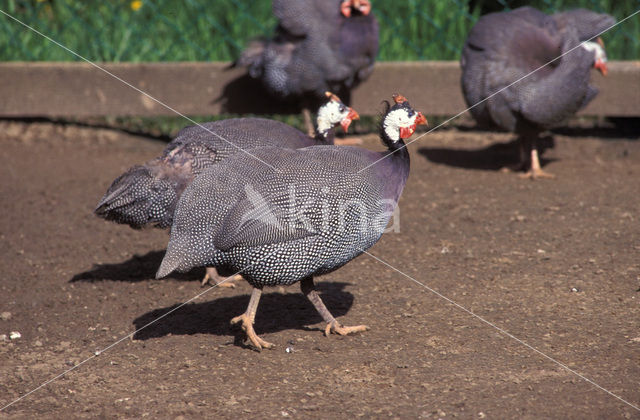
{"type": "Point", "coordinates": [252, 57]}
{"type": "Point", "coordinates": [138, 198]}
{"type": "Point", "coordinates": [168, 265]}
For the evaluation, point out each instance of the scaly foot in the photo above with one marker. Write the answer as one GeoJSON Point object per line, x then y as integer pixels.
{"type": "Point", "coordinates": [514, 167]}
{"type": "Point", "coordinates": [536, 171]}
{"type": "Point", "coordinates": [218, 280]}
{"type": "Point", "coordinates": [309, 290]}
{"type": "Point", "coordinates": [342, 330]}
{"type": "Point", "coordinates": [535, 174]}
{"type": "Point", "coordinates": [247, 327]}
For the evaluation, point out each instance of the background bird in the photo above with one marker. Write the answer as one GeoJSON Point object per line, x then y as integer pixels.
{"type": "Point", "coordinates": [318, 45]}
{"type": "Point", "coordinates": [146, 195]}
{"type": "Point", "coordinates": [309, 213]}
{"type": "Point", "coordinates": [504, 47]}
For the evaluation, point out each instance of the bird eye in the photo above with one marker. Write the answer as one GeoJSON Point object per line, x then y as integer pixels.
{"type": "Point", "coordinates": [342, 108]}
{"type": "Point", "coordinates": [411, 113]}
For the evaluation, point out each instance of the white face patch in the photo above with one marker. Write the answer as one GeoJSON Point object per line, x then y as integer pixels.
{"type": "Point", "coordinates": [599, 53]}
{"type": "Point", "coordinates": [331, 114]}
{"type": "Point", "coordinates": [397, 119]}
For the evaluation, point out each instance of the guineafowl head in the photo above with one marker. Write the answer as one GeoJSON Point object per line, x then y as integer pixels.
{"type": "Point", "coordinates": [349, 7]}
{"type": "Point", "coordinates": [399, 122]}
{"type": "Point", "coordinates": [600, 56]}
{"type": "Point", "coordinates": [334, 112]}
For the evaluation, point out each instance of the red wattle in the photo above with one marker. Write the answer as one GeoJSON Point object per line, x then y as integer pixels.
{"type": "Point", "coordinates": [406, 132]}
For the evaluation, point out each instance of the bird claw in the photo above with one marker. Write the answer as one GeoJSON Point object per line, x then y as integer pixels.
{"type": "Point", "coordinates": [247, 327]}
{"type": "Point", "coordinates": [535, 174]}
{"type": "Point", "coordinates": [219, 281]}
{"type": "Point", "coordinates": [205, 280]}
{"type": "Point", "coordinates": [516, 167]}
{"type": "Point", "coordinates": [335, 327]}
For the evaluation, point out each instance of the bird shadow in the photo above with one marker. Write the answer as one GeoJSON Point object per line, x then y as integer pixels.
{"type": "Point", "coordinates": [97, 123]}
{"type": "Point", "coordinates": [611, 128]}
{"type": "Point", "coordinates": [491, 158]}
{"type": "Point", "coordinates": [135, 269]}
{"type": "Point", "coordinates": [233, 99]}
{"type": "Point", "coordinates": [615, 129]}
{"type": "Point", "coordinates": [276, 312]}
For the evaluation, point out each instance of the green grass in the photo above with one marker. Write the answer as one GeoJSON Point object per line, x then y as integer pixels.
{"type": "Point", "coordinates": [204, 30]}
{"type": "Point", "coordinates": [169, 126]}
{"type": "Point", "coordinates": [166, 127]}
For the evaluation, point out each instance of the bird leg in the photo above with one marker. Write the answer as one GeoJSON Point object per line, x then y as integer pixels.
{"type": "Point", "coordinates": [307, 122]}
{"type": "Point", "coordinates": [535, 170]}
{"type": "Point", "coordinates": [309, 290]}
{"type": "Point", "coordinates": [523, 162]}
{"type": "Point", "coordinates": [247, 319]}
{"type": "Point", "coordinates": [218, 280]}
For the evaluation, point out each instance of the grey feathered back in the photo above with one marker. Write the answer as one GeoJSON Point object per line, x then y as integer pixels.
{"type": "Point", "coordinates": [229, 136]}
{"type": "Point", "coordinates": [314, 49]}
{"type": "Point", "coordinates": [311, 215]}
{"type": "Point", "coordinates": [504, 47]}
{"type": "Point", "coordinates": [147, 194]}
{"type": "Point", "coordinates": [587, 23]}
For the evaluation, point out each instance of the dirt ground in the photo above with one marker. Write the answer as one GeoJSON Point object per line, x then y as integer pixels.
{"type": "Point", "coordinates": [553, 262]}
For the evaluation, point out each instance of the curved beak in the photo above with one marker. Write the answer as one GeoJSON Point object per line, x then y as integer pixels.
{"type": "Point", "coordinates": [406, 132]}
{"type": "Point", "coordinates": [421, 119]}
{"type": "Point", "coordinates": [346, 122]}
{"type": "Point", "coordinates": [601, 66]}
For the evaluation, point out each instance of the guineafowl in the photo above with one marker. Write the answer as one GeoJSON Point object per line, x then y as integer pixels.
{"type": "Point", "coordinates": [309, 213]}
{"type": "Point", "coordinates": [318, 45]}
{"type": "Point", "coordinates": [506, 46]}
{"type": "Point", "coordinates": [146, 195]}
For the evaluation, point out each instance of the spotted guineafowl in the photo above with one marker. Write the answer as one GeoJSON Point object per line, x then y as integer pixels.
{"type": "Point", "coordinates": [146, 195]}
{"type": "Point", "coordinates": [504, 47]}
{"type": "Point", "coordinates": [309, 213]}
{"type": "Point", "coordinates": [318, 45]}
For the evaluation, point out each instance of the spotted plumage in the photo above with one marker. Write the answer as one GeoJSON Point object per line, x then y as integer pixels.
{"type": "Point", "coordinates": [302, 186]}
{"type": "Point", "coordinates": [146, 195]}
{"type": "Point", "coordinates": [314, 211]}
